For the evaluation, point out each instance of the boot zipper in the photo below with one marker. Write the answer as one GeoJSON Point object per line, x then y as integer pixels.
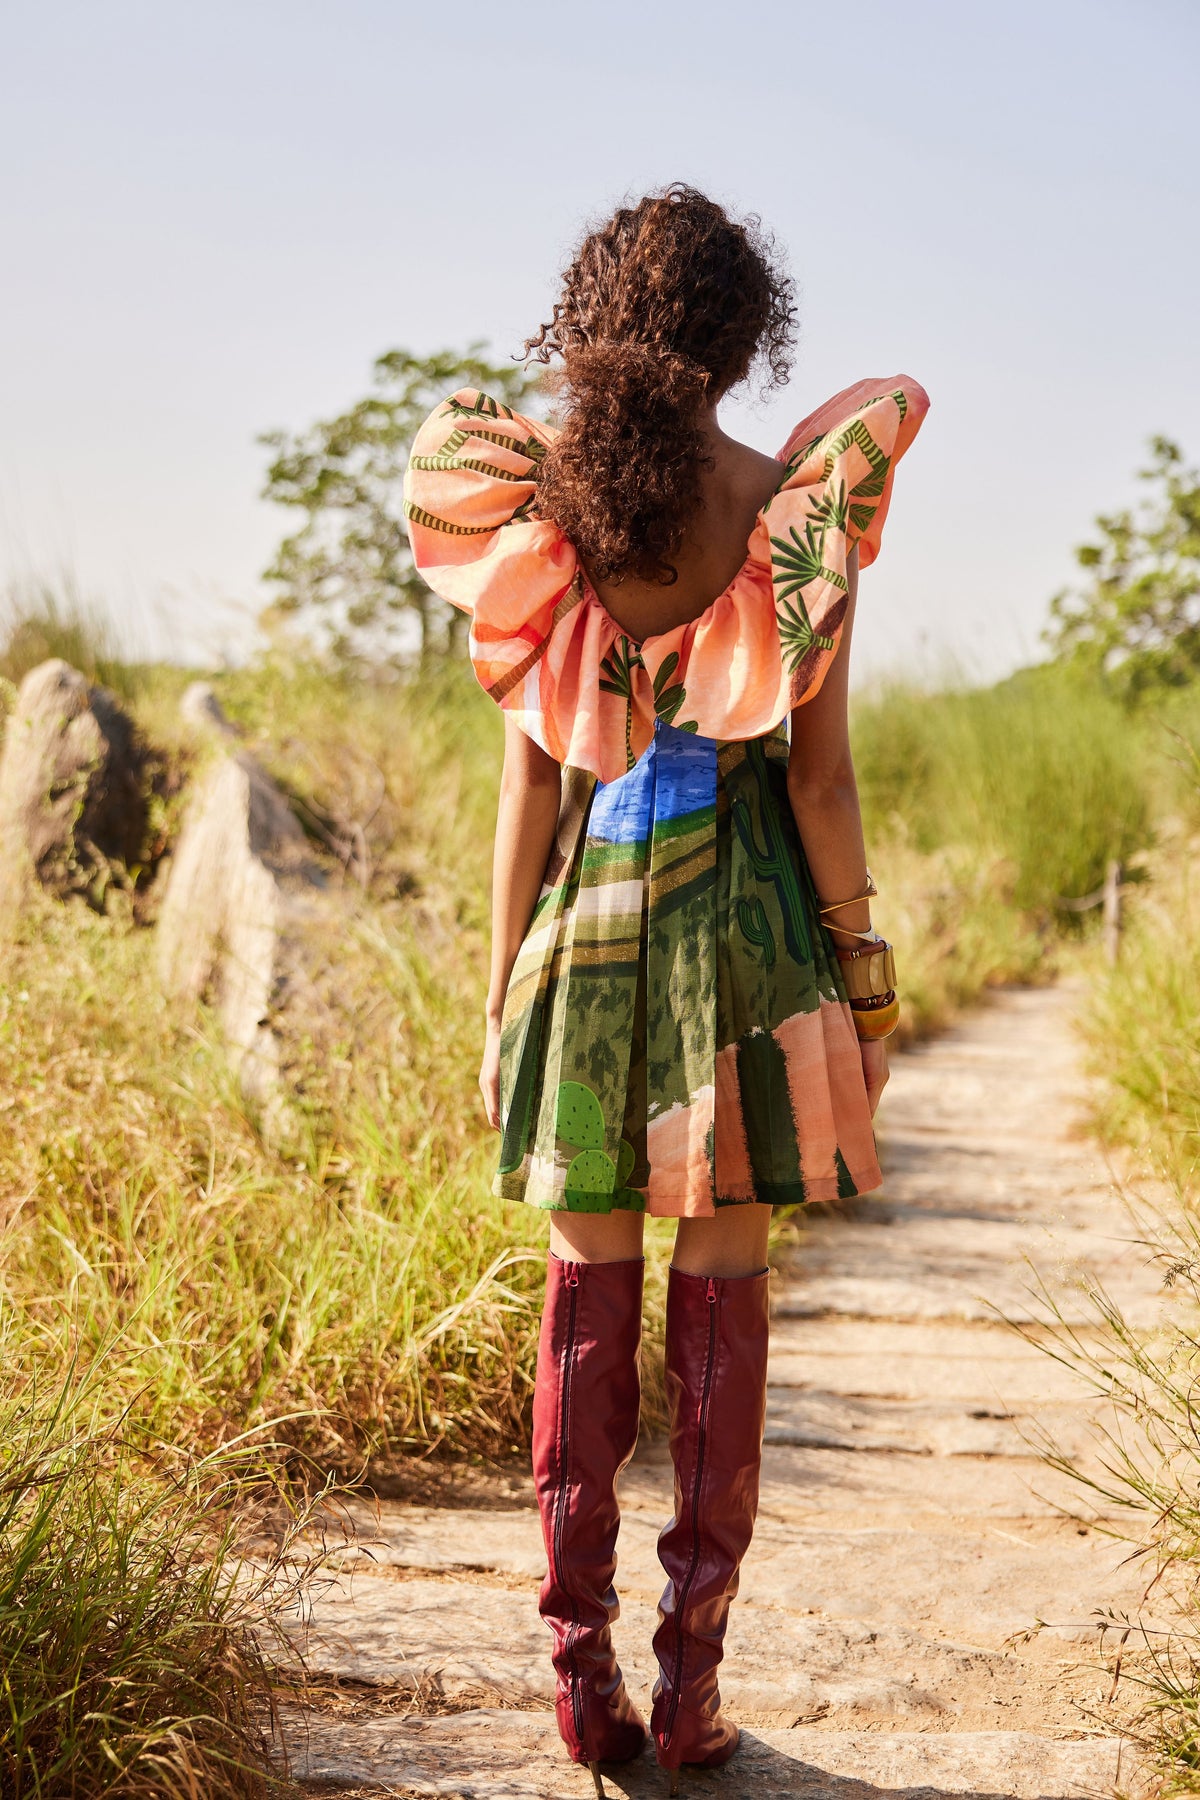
{"type": "Point", "coordinates": [701, 1439]}
{"type": "Point", "coordinates": [571, 1277]}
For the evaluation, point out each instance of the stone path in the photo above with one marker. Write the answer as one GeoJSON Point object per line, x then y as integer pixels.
{"type": "Point", "coordinates": [908, 1537]}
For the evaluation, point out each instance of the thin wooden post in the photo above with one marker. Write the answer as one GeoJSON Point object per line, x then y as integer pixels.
{"type": "Point", "coordinates": [1112, 910]}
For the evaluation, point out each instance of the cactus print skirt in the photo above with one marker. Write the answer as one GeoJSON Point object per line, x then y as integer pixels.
{"type": "Point", "coordinates": [676, 1035]}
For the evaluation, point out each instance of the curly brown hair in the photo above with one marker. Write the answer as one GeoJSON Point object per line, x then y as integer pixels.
{"type": "Point", "coordinates": [663, 310]}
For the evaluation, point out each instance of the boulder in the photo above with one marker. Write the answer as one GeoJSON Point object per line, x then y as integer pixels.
{"type": "Point", "coordinates": [201, 709]}
{"type": "Point", "coordinates": [75, 784]}
{"type": "Point", "coordinates": [242, 893]}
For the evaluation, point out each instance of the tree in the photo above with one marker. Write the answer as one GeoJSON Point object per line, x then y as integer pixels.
{"type": "Point", "coordinates": [348, 570]}
{"type": "Point", "coordinates": [1137, 621]}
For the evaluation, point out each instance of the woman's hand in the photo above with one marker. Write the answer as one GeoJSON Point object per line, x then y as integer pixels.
{"type": "Point", "coordinates": [489, 1074]}
{"type": "Point", "coordinates": [875, 1070]}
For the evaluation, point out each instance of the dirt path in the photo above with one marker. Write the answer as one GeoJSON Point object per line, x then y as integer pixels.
{"type": "Point", "coordinates": [908, 1534]}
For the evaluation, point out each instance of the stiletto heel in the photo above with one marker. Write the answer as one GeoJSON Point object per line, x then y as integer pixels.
{"type": "Point", "coordinates": [674, 1787]}
{"type": "Point", "coordinates": [594, 1767]}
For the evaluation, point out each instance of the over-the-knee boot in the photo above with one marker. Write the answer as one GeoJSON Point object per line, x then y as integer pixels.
{"type": "Point", "coordinates": [717, 1333]}
{"type": "Point", "coordinates": [585, 1422]}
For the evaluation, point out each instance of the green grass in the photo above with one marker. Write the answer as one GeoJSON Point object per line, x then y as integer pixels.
{"type": "Point", "coordinates": [335, 1277]}
{"type": "Point", "coordinates": [40, 619]}
{"type": "Point", "coordinates": [984, 809]}
{"type": "Point", "coordinates": [355, 1273]}
{"type": "Point", "coordinates": [348, 1269]}
{"type": "Point", "coordinates": [1143, 1475]}
{"type": "Point", "coordinates": [1043, 771]}
{"type": "Point", "coordinates": [132, 1630]}
{"type": "Point", "coordinates": [1142, 1025]}
{"type": "Point", "coordinates": [1143, 1036]}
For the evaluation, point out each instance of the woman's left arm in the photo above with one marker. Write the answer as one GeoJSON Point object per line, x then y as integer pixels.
{"type": "Point", "coordinates": [526, 820]}
{"type": "Point", "coordinates": [824, 797]}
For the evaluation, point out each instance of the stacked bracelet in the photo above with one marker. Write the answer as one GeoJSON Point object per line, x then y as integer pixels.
{"type": "Point", "coordinates": [868, 970]}
{"type": "Point", "coordinates": [876, 1018]}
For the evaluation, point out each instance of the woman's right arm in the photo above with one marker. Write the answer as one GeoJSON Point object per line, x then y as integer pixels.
{"type": "Point", "coordinates": [526, 821]}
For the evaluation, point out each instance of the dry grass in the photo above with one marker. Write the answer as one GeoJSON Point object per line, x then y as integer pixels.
{"type": "Point", "coordinates": [340, 1281]}
{"type": "Point", "coordinates": [132, 1633]}
{"type": "Point", "coordinates": [1143, 1031]}
{"type": "Point", "coordinates": [351, 1273]}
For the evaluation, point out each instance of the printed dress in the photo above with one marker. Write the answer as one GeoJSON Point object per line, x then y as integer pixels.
{"type": "Point", "coordinates": [676, 1035]}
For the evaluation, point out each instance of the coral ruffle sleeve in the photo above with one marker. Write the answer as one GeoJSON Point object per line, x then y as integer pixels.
{"type": "Point", "coordinates": [544, 646]}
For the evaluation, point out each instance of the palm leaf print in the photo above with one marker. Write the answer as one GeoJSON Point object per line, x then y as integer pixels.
{"type": "Point", "coordinates": [831, 511]}
{"type": "Point", "coordinates": [482, 407]}
{"type": "Point", "coordinates": [448, 457]}
{"type": "Point", "coordinates": [669, 696]}
{"type": "Point", "coordinates": [485, 407]}
{"type": "Point", "coordinates": [800, 560]}
{"type": "Point", "coordinates": [616, 673]}
{"type": "Point", "coordinates": [431, 522]}
{"type": "Point", "coordinates": [617, 669]}
{"type": "Point", "coordinates": [872, 485]}
{"type": "Point", "coordinates": [798, 457]}
{"type": "Point", "coordinates": [796, 635]}
{"type": "Point", "coordinates": [853, 433]}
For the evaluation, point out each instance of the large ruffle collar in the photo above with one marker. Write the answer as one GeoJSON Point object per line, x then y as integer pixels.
{"type": "Point", "coordinates": [542, 642]}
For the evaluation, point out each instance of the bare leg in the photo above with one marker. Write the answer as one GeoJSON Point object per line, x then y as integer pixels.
{"type": "Point", "coordinates": [731, 1244]}
{"type": "Point", "coordinates": [598, 1237]}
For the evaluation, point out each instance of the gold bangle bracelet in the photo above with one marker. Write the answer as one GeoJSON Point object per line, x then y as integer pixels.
{"type": "Point", "coordinates": [870, 972]}
{"type": "Point", "coordinates": [874, 1022]}
{"type": "Point", "coordinates": [868, 893]}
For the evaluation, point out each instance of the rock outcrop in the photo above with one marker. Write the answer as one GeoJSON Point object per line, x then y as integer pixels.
{"type": "Point", "coordinates": [75, 785]}
{"type": "Point", "coordinates": [201, 709]}
{"type": "Point", "coordinates": [243, 889]}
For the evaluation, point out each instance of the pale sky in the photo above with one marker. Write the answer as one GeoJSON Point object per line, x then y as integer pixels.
{"type": "Point", "coordinates": [215, 216]}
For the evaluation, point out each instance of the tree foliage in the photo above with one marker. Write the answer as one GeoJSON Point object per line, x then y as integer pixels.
{"type": "Point", "coordinates": [1137, 618]}
{"type": "Point", "coordinates": [347, 572]}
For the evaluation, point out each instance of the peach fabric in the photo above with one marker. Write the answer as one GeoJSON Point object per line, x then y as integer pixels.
{"type": "Point", "coordinates": [540, 633]}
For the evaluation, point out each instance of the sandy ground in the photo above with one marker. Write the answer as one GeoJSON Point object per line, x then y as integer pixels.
{"type": "Point", "coordinates": [909, 1540]}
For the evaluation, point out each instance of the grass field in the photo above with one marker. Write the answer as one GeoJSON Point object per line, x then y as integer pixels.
{"type": "Point", "coordinates": [345, 1290]}
{"type": "Point", "coordinates": [354, 1275]}
{"type": "Point", "coordinates": [1142, 1023]}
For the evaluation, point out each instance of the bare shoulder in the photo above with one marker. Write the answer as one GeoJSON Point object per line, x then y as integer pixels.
{"type": "Point", "coordinates": [742, 474]}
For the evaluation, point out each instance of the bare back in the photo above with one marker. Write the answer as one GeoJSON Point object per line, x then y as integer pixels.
{"type": "Point", "coordinates": [733, 491]}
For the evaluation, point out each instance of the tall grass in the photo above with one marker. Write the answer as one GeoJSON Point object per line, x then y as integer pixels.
{"type": "Point", "coordinates": [352, 1271]}
{"type": "Point", "coordinates": [1143, 1474]}
{"type": "Point", "coordinates": [1143, 1034]}
{"type": "Point", "coordinates": [1044, 770]}
{"type": "Point", "coordinates": [984, 810]}
{"type": "Point", "coordinates": [40, 619]}
{"type": "Point", "coordinates": [336, 1279]}
{"type": "Point", "coordinates": [132, 1630]}
{"type": "Point", "coordinates": [356, 1274]}
{"type": "Point", "coordinates": [1144, 1021]}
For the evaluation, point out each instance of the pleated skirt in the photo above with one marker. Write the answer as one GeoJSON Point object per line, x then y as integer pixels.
{"type": "Point", "coordinates": [676, 1036]}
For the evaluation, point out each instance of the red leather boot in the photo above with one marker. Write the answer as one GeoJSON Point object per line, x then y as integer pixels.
{"type": "Point", "coordinates": [585, 1421]}
{"type": "Point", "coordinates": [717, 1333]}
